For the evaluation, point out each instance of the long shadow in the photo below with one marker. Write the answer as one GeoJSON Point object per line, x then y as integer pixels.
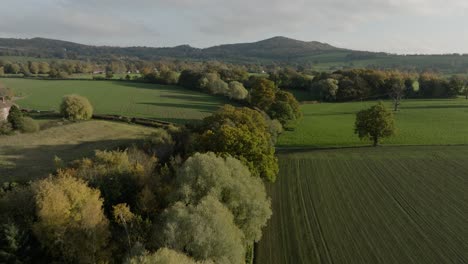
{"type": "Point", "coordinates": [173, 89]}
{"type": "Point", "coordinates": [22, 164]}
{"type": "Point", "coordinates": [201, 107]}
{"type": "Point", "coordinates": [331, 114]}
{"type": "Point", "coordinates": [433, 106]}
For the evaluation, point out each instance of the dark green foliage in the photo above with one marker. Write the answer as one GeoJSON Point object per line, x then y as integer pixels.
{"type": "Point", "coordinates": [281, 111]}
{"type": "Point", "coordinates": [242, 133]}
{"type": "Point", "coordinates": [5, 128]}
{"type": "Point", "coordinates": [375, 123]}
{"type": "Point", "coordinates": [15, 117]}
{"type": "Point", "coordinates": [190, 79]}
{"type": "Point", "coordinates": [262, 93]}
{"type": "Point", "coordinates": [15, 244]}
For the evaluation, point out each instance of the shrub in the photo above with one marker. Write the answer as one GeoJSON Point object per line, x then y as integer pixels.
{"type": "Point", "coordinates": [14, 117]}
{"type": "Point", "coordinates": [75, 107]}
{"type": "Point", "coordinates": [5, 128]}
{"type": "Point", "coordinates": [28, 125]}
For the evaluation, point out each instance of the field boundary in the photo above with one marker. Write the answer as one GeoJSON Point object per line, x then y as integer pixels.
{"type": "Point", "coordinates": [149, 122]}
{"type": "Point", "coordinates": [287, 150]}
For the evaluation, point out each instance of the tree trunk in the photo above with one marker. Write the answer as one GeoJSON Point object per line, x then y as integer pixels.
{"type": "Point", "coordinates": [376, 142]}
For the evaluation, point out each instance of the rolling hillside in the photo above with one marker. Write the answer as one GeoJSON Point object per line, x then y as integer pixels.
{"type": "Point", "coordinates": [320, 56]}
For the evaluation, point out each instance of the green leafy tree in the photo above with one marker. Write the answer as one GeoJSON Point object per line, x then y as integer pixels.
{"type": "Point", "coordinates": [230, 182]}
{"type": "Point", "coordinates": [282, 112]}
{"type": "Point", "coordinates": [14, 68]}
{"type": "Point", "coordinates": [15, 117]}
{"type": "Point", "coordinates": [205, 231]}
{"type": "Point", "coordinates": [327, 89]}
{"type": "Point", "coordinates": [375, 123]}
{"type": "Point", "coordinates": [75, 107]}
{"type": "Point", "coordinates": [34, 67]}
{"type": "Point", "coordinates": [262, 93]}
{"type": "Point", "coordinates": [44, 67]}
{"type": "Point", "coordinates": [244, 134]}
{"type": "Point", "coordinates": [71, 222]}
{"type": "Point", "coordinates": [237, 91]}
{"type": "Point", "coordinates": [456, 85]}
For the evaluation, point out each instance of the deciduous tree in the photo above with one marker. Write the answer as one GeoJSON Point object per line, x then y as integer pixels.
{"type": "Point", "coordinates": [375, 123]}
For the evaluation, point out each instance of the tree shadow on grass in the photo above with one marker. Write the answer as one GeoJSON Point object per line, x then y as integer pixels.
{"type": "Point", "coordinates": [176, 92]}
{"type": "Point", "coordinates": [331, 114]}
{"type": "Point", "coordinates": [22, 164]}
{"type": "Point", "coordinates": [433, 106]}
{"type": "Point", "coordinates": [204, 108]}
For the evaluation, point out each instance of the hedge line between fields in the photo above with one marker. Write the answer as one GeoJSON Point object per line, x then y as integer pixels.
{"type": "Point", "coordinates": [149, 122]}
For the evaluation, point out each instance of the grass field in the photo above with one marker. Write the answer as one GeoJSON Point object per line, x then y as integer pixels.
{"type": "Point", "coordinates": [369, 205]}
{"type": "Point", "coordinates": [419, 122]}
{"type": "Point", "coordinates": [164, 102]}
{"type": "Point", "coordinates": [30, 156]}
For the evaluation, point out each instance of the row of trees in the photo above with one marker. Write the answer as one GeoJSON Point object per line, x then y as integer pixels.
{"type": "Point", "coordinates": [364, 84]}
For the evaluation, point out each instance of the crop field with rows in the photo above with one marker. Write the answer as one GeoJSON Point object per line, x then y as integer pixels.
{"type": "Point", "coordinates": [369, 205]}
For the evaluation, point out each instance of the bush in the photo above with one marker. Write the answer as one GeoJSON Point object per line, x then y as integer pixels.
{"type": "Point", "coordinates": [28, 125]}
{"type": "Point", "coordinates": [5, 128]}
{"type": "Point", "coordinates": [75, 107]}
{"type": "Point", "coordinates": [14, 117]}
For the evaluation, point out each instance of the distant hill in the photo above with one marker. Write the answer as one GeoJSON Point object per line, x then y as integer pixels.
{"type": "Point", "coordinates": [321, 56]}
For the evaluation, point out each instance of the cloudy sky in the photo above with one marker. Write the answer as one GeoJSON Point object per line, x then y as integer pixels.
{"type": "Point", "coordinates": [400, 26]}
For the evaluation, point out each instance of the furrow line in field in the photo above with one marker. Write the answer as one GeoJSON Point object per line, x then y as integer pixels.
{"type": "Point", "coordinates": [326, 254]}
{"type": "Point", "coordinates": [402, 208]}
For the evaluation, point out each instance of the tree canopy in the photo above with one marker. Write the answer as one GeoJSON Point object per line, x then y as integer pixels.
{"type": "Point", "coordinates": [375, 123]}
{"type": "Point", "coordinates": [244, 134]}
{"type": "Point", "coordinates": [205, 231]}
{"type": "Point", "coordinates": [71, 221]}
{"type": "Point", "coordinates": [230, 182]}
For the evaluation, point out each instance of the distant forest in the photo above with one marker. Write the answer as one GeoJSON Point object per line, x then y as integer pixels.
{"type": "Point", "coordinates": [278, 50]}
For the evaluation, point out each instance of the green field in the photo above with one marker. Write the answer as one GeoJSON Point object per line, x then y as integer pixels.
{"type": "Point", "coordinates": [419, 122]}
{"type": "Point", "coordinates": [369, 205]}
{"type": "Point", "coordinates": [29, 156]}
{"type": "Point", "coordinates": [164, 102]}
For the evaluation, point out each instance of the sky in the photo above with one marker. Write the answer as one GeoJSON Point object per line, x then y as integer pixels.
{"type": "Point", "coordinates": [395, 26]}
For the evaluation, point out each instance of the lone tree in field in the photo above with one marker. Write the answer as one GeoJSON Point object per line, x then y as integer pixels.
{"type": "Point", "coordinates": [375, 123]}
{"type": "Point", "coordinates": [75, 107]}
